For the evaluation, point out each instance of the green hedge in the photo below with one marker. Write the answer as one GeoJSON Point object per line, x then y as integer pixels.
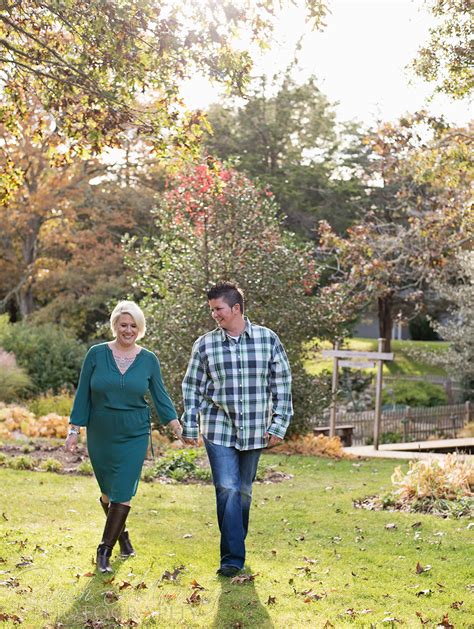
{"type": "Point", "coordinates": [410, 393]}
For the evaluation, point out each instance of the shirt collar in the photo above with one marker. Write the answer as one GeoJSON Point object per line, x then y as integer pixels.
{"type": "Point", "coordinates": [247, 330]}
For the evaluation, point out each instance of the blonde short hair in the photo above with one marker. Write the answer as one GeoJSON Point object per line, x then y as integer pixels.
{"type": "Point", "coordinates": [132, 309]}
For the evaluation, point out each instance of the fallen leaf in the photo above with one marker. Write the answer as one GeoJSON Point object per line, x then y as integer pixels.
{"type": "Point", "coordinates": [457, 604]}
{"type": "Point", "coordinates": [194, 599]}
{"type": "Point", "coordinates": [391, 526]}
{"type": "Point", "coordinates": [391, 619]}
{"type": "Point", "coordinates": [416, 525]}
{"type": "Point", "coordinates": [195, 585]}
{"type": "Point", "coordinates": [419, 568]}
{"type": "Point", "coordinates": [89, 574]}
{"type": "Point", "coordinates": [109, 580]}
{"type": "Point", "coordinates": [187, 536]}
{"type": "Point", "coordinates": [328, 625]}
{"type": "Point", "coordinates": [445, 623]}
{"type": "Point", "coordinates": [424, 593]}
{"type": "Point", "coordinates": [170, 596]}
{"type": "Point", "coordinates": [243, 578]}
{"type": "Point", "coordinates": [111, 596]}
{"type": "Point", "coordinates": [271, 600]}
{"type": "Point", "coordinates": [424, 621]}
{"type": "Point", "coordinates": [172, 576]}
{"type": "Point", "coordinates": [125, 584]}
{"type": "Point", "coordinates": [141, 586]}
{"type": "Point", "coordinates": [4, 516]}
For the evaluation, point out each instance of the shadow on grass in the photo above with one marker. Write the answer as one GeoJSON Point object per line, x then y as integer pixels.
{"type": "Point", "coordinates": [239, 605]}
{"type": "Point", "coordinates": [96, 603]}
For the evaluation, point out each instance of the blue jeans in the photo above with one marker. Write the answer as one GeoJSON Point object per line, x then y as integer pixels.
{"type": "Point", "coordinates": [233, 472]}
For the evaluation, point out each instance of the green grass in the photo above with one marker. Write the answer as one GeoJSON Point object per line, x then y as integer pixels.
{"type": "Point", "coordinates": [403, 364]}
{"type": "Point", "coordinates": [304, 536]}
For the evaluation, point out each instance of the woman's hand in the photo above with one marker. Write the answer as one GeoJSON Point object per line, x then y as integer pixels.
{"type": "Point", "coordinates": [176, 428]}
{"type": "Point", "coordinates": [71, 442]}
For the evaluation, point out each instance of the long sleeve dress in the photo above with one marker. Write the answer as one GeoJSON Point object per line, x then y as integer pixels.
{"type": "Point", "coordinates": [113, 407]}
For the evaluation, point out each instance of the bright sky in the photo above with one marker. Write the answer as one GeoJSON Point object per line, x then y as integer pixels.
{"type": "Point", "coordinates": [360, 60]}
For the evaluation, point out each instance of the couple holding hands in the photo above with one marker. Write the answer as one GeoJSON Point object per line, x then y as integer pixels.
{"type": "Point", "coordinates": [236, 393]}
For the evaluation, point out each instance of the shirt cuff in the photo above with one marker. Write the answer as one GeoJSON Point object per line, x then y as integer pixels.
{"type": "Point", "coordinates": [190, 427]}
{"type": "Point", "coordinates": [278, 427]}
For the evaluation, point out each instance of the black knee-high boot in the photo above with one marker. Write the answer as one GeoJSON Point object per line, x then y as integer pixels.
{"type": "Point", "coordinates": [126, 548]}
{"type": "Point", "coordinates": [116, 518]}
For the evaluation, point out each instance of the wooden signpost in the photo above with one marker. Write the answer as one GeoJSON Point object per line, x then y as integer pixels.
{"type": "Point", "coordinates": [373, 357]}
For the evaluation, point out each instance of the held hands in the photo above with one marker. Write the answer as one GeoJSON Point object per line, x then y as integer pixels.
{"type": "Point", "coordinates": [178, 433]}
{"type": "Point", "coordinates": [273, 440]}
{"type": "Point", "coordinates": [177, 429]}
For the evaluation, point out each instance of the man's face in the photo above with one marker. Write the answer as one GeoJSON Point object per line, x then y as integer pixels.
{"type": "Point", "coordinates": [223, 314]}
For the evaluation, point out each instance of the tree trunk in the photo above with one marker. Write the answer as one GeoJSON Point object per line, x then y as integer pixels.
{"type": "Point", "coordinates": [385, 305]}
{"type": "Point", "coordinates": [30, 252]}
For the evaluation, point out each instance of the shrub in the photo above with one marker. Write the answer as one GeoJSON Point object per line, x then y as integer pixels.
{"type": "Point", "coordinates": [386, 437]}
{"type": "Point", "coordinates": [85, 468]}
{"type": "Point", "coordinates": [3, 458]}
{"type": "Point", "coordinates": [183, 460]}
{"type": "Point", "coordinates": [22, 463]}
{"type": "Point", "coordinates": [203, 474]}
{"type": "Point", "coordinates": [50, 356]}
{"type": "Point", "coordinates": [312, 445]}
{"type": "Point", "coordinates": [17, 418]}
{"type": "Point", "coordinates": [148, 475]}
{"type": "Point", "coordinates": [60, 404]}
{"type": "Point", "coordinates": [449, 479]}
{"type": "Point", "coordinates": [51, 465]}
{"type": "Point", "coordinates": [14, 381]}
{"type": "Point", "coordinates": [414, 394]}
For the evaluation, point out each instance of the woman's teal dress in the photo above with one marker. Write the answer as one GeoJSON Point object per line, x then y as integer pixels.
{"type": "Point", "coordinates": [112, 405]}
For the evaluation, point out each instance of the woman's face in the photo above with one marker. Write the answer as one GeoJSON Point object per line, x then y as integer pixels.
{"type": "Point", "coordinates": [127, 330]}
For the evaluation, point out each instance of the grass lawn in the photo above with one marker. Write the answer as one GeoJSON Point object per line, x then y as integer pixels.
{"type": "Point", "coordinates": [317, 561]}
{"type": "Point", "coordinates": [403, 363]}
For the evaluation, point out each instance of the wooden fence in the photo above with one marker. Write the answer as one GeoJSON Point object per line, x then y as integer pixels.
{"type": "Point", "coordinates": [408, 424]}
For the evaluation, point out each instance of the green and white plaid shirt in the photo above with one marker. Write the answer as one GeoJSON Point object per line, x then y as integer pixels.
{"type": "Point", "coordinates": [237, 390]}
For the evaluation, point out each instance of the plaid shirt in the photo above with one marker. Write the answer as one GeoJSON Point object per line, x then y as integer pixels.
{"type": "Point", "coordinates": [237, 391]}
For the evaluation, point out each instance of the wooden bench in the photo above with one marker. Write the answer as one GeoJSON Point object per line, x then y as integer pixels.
{"type": "Point", "coordinates": [344, 432]}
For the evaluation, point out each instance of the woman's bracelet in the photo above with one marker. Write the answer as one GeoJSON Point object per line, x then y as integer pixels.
{"type": "Point", "coordinates": [73, 430]}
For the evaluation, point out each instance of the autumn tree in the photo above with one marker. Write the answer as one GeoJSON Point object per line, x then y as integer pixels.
{"type": "Point", "coordinates": [419, 220]}
{"type": "Point", "coordinates": [446, 59]}
{"type": "Point", "coordinates": [214, 224]}
{"type": "Point", "coordinates": [457, 328]}
{"type": "Point", "coordinates": [100, 68]}
{"type": "Point", "coordinates": [37, 218]}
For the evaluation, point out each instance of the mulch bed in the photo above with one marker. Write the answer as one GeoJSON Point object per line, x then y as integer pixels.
{"type": "Point", "coordinates": [40, 450]}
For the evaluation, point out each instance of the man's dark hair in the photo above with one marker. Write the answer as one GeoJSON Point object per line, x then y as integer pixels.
{"type": "Point", "coordinates": [229, 292]}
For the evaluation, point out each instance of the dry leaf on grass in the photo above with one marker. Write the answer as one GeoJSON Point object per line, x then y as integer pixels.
{"type": "Point", "coordinates": [243, 578]}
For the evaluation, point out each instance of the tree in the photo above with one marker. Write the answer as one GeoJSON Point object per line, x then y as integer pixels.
{"type": "Point", "coordinates": [419, 219]}
{"type": "Point", "coordinates": [40, 208]}
{"type": "Point", "coordinates": [100, 68]}
{"type": "Point", "coordinates": [288, 141]}
{"type": "Point", "coordinates": [458, 330]}
{"type": "Point", "coordinates": [447, 58]}
{"type": "Point", "coordinates": [214, 224]}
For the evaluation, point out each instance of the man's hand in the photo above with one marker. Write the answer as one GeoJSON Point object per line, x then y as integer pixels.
{"type": "Point", "coordinates": [190, 442]}
{"type": "Point", "coordinates": [273, 440]}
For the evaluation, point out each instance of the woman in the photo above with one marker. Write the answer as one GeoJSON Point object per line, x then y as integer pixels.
{"type": "Point", "coordinates": [110, 401]}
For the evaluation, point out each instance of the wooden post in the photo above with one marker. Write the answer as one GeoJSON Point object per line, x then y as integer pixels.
{"type": "Point", "coordinates": [335, 383]}
{"type": "Point", "coordinates": [378, 397]}
{"type": "Point", "coordinates": [467, 412]}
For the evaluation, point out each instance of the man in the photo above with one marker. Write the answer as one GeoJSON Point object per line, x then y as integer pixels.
{"type": "Point", "coordinates": [237, 392]}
